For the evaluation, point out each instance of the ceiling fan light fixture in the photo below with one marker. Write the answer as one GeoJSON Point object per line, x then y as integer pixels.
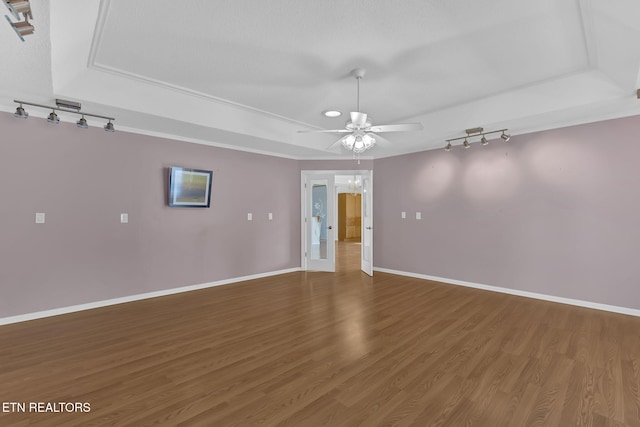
{"type": "Point", "coordinates": [361, 134]}
{"type": "Point", "coordinates": [109, 127]}
{"type": "Point", "coordinates": [466, 143]}
{"type": "Point", "coordinates": [358, 145]}
{"type": "Point", "coordinates": [348, 141]}
{"type": "Point", "coordinates": [505, 136]}
{"type": "Point", "coordinates": [368, 140]}
{"type": "Point", "coordinates": [483, 140]}
{"type": "Point", "coordinates": [447, 147]}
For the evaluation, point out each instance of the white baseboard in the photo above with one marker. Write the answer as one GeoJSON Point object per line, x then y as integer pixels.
{"type": "Point", "coordinates": [114, 301]}
{"type": "Point", "coordinates": [562, 300]}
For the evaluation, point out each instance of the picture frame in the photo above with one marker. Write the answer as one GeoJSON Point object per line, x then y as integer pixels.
{"type": "Point", "coordinates": [189, 188]}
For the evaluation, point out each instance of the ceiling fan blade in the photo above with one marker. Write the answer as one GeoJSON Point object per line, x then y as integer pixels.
{"type": "Point", "coordinates": [403, 127]}
{"type": "Point", "coordinates": [325, 130]}
{"type": "Point", "coordinates": [358, 119]}
{"type": "Point", "coordinates": [335, 144]}
{"type": "Point", "coordinates": [381, 141]}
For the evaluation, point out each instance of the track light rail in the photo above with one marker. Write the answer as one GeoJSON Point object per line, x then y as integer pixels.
{"type": "Point", "coordinates": [59, 108]}
{"type": "Point", "coordinates": [478, 132]}
{"type": "Point", "coordinates": [475, 132]}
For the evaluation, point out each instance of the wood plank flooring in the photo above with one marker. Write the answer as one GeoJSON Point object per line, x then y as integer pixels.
{"type": "Point", "coordinates": [313, 349]}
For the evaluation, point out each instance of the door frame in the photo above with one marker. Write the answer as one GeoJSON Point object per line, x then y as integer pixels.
{"type": "Point", "coordinates": [304, 174]}
{"type": "Point", "coordinates": [327, 263]}
{"type": "Point", "coordinates": [366, 251]}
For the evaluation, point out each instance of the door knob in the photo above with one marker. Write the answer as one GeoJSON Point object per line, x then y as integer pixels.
{"type": "Point", "coordinates": [330, 227]}
{"type": "Point", "coordinates": [369, 228]}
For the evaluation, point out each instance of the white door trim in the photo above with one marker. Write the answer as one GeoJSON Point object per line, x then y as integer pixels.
{"type": "Point", "coordinates": [303, 194]}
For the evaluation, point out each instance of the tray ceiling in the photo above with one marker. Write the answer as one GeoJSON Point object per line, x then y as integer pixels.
{"type": "Point", "coordinates": [250, 74]}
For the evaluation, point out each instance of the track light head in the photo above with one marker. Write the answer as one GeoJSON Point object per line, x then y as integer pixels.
{"type": "Point", "coordinates": [20, 113]}
{"type": "Point", "coordinates": [23, 28]}
{"type": "Point", "coordinates": [505, 136]}
{"type": "Point", "coordinates": [466, 143]}
{"type": "Point", "coordinates": [483, 140]}
{"type": "Point", "coordinates": [448, 146]}
{"type": "Point", "coordinates": [109, 127]}
{"type": "Point", "coordinates": [53, 118]}
{"type": "Point", "coordinates": [82, 123]}
{"type": "Point", "coordinates": [16, 7]}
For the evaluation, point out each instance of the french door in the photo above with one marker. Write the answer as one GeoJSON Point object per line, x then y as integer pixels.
{"type": "Point", "coordinates": [318, 220]}
{"type": "Point", "coordinates": [366, 253]}
{"type": "Point", "coordinates": [319, 223]}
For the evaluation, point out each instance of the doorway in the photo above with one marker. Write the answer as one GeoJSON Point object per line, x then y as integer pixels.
{"type": "Point", "coordinates": [337, 220]}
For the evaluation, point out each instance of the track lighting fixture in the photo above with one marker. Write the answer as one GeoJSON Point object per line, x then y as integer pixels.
{"type": "Point", "coordinates": [20, 113]}
{"type": "Point", "coordinates": [18, 7]}
{"type": "Point", "coordinates": [475, 132]}
{"type": "Point", "coordinates": [82, 123]}
{"type": "Point", "coordinates": [53, 118]}
{"type": "Point", "coordinates": [66, 107]}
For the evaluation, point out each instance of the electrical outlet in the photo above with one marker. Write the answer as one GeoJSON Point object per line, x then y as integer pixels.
{"type": "Point", "coordinates": [418, 215]}
{"type": "Point", "coordinates": [403, 215]}
{"type": "Point", "coordinates": [270, 216]}
{"type": "Point", "coordinates": [39, 217]}
{"type": "Point", "coordinates": [124, 218]}
{"type": "Point", "coordinates": [249, 217]}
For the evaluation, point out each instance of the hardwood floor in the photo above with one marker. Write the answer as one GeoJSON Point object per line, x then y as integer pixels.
{"type": "Point", "coordinates": [343, 349]}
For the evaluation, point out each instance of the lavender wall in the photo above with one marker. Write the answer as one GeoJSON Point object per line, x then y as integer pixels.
{"type": "Point", "coordinates": [552, 212]}
{"type": "Point", "coordinates": [84, 179]}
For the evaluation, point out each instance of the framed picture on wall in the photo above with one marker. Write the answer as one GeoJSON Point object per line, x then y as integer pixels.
{"type": "Point", "coordinates": [189, 188]}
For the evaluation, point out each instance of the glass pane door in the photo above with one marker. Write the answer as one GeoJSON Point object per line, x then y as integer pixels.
{"type": "Point", "coordinates": [366, 263]}
{"type": "Point", "coordinates": [319, 223]}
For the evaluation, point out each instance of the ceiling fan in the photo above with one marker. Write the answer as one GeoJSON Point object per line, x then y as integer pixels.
{"type": "Point", "coordinates": [361, 132]}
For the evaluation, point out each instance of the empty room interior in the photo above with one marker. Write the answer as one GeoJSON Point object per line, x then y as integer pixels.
{"type": "Point", "coordinates": [306, 213]}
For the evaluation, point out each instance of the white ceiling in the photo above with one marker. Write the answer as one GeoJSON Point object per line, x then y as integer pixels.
{"type": "Point", "coordinates": [249, 74]}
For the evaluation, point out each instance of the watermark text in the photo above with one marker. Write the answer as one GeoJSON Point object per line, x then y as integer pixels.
{"type": "Point", "coordinates": [45, 407]}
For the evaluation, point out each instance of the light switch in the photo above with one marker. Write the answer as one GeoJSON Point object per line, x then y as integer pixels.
{"type": "Point", "coordinates": [124, 218]}
{"type": "Point", "coordinates": [403, 215]}
{"type": "Point", "coordinates": [249, 217]}
{"type": "Point", "coordinates": [418, 215]}
{"type": "Point", "coordinates": [270, 216]}
{"type": "Point", "coordinates": [39, 217]}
